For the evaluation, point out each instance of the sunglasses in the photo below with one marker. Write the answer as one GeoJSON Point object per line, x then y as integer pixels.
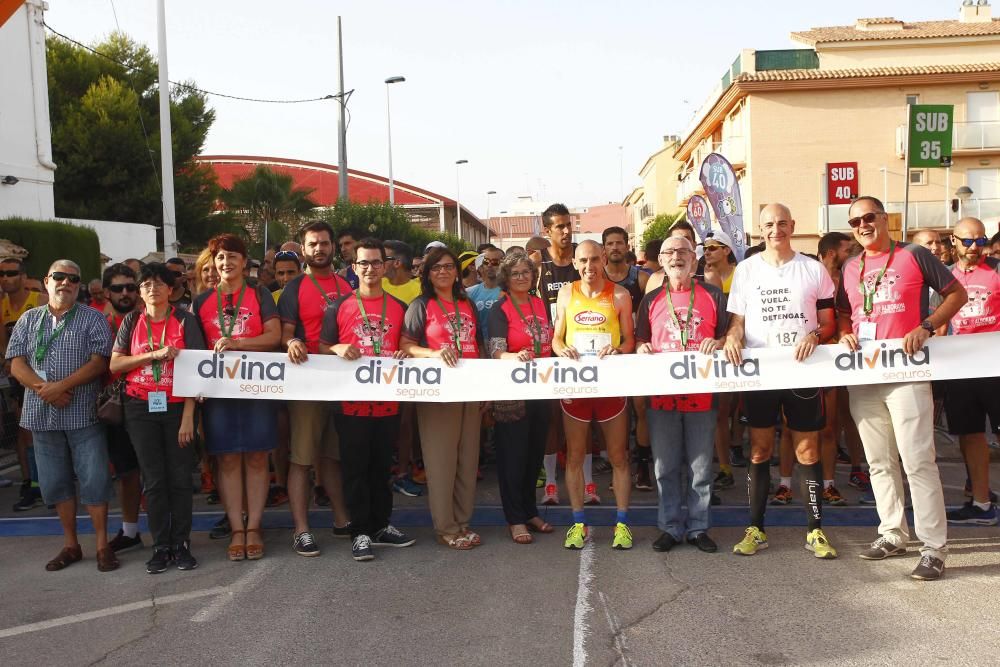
{"type": "Point", "coordinates": [60, 276]}
{"type": "Point", "coordinates": [492, 262]}
{"type": "Point", "coordinates": [118, 289]}
{"type": "Point", "coordinates": [10, 274]}
{"type": "Point", "coordinates": [868, 218]}
{"type": "Point", "coordinates": [714, 246]}
{"type": "Point", "coordinates": [286, 254]}
{"type": "Point", "coordinates": [179, 274]}
{"type": "Point", "coordinates": [980, 242]}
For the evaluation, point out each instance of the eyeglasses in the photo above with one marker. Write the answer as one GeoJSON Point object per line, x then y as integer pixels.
{"type": "Point", "coordinates": [390, 258]}
{"type": "Point", "coordinates": [10, 274]}
{"type": "Point", "coordinates": [868, 218]}
{"type": "Point", "coordinates": [60, 276]}
{"type": "Point", "coordinates": [980, 242]}
{"type": "Point", "coordinates": [128, 287]}
{"type": "Point", "coordinates": [150, 285]}
{"type": "Point", "coordinates": [365, 264]}
{"type": "Point", "coordinates": [442, 268]}
{"type": "Point", "coordinates": [520, 275]}
{"type": "Point", "coordinates": [678, 252]}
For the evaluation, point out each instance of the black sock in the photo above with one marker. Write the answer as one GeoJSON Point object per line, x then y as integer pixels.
{"type": "Point", "coordinates": [811, 483]}
{"type": "Point", "coordinates": [758, 488]}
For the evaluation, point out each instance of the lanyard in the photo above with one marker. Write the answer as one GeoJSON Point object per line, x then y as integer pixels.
{"type": "Point", "coordinates": [687, 321]}
{"type": "Point", "coordinates": [456, 326]}
{"type": "Point", "coordinates": [42, 345]}
{"type": "Point", "coordinates": [534, 328]}
{"type": "Point", "coordinates": [157, 364]}
{"type": "Point", "coordinates": [322, 292]}
{"type": "Point", "coordinates": [869, 297]}
{"type": "Point", "coordinates": [227, 333]}
{"type": "Point", "coordinates": [376, 342]}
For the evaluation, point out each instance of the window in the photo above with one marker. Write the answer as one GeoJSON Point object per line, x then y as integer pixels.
{"type": "Point", "coordinates": [913, 99]}
{"type": "Point", "coordinates": [918, 177]}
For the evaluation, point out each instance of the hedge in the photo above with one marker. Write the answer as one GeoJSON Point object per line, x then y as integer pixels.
{"type": "Point", "coordinates": [48, 240]}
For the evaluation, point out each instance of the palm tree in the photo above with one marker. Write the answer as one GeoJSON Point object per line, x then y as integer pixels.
{"type": "Point", "coordinates": [272, 209]}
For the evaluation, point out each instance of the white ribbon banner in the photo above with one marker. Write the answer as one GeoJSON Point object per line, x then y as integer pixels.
{"type": "Point", "coordinates": [322, 377]}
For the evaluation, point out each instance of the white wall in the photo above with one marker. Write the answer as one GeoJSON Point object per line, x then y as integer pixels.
{"type": "Point", "coordinates": [25, 140]}
{"type": "Point", "coordinates": [121, 240]}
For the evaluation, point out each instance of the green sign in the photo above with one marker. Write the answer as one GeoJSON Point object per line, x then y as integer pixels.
{"type": "Point", "coordinates": [930, 135]}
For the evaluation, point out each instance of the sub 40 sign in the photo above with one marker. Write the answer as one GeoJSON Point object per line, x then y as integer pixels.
{"type": "Point", "coordinates": [930, 132]}
{"type": "Point", "coordinates": [841, 182]}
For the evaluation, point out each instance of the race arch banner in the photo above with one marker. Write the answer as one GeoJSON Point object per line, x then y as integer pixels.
{"type": "Point", "coordinates": [324, 377]}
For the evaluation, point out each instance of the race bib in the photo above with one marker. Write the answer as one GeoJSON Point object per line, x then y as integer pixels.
{"type": "Point", "coordinates": [779, 337]}
{"type": "Point", "coordinates": [157, 401]}
{"type": "Point", "coordinates": [589, 344]}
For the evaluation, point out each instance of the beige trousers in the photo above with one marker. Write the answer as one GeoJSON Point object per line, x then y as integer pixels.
{"type": "Point", "coordinates": [449, 437]}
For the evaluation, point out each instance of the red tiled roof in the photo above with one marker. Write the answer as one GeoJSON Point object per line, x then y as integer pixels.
{"type": "Point", "coordinates": [920, 30]}
{"type": "Point", "coordinates": [814, 74]}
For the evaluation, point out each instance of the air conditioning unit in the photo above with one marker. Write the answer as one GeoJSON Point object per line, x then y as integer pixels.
{"type": "Point", "coordinates": [901, 142]}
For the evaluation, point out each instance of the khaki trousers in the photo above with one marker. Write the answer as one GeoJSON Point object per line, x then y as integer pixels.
{"type": "Point", "coordinates": [449, 435]}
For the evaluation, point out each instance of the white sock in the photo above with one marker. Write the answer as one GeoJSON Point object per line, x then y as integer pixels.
{"type": "Point", "coordinates": [130, 529]}
{"type": "Point", "coordinates": [786, 482]}
{"type": "Point", "coordinates": [588, 469]}
{"type": "Point", "coordinates": [983, 506]}
{"type": "Point", "coordinates": [604, 454]}
{"type": "Point", "coordinates": [827, 483]}
{"type": "Point", "coordinates": [550, 468]}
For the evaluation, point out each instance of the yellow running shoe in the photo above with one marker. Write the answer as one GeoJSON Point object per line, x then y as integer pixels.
{"type": "Point", "coordinates": [575, 536]}
{"type": "Point", "coordinates": [754, 540]}
{"type": "Point", "coordinates": [817, 543]}
{"type": "Point", "coordinates": [623, 537]}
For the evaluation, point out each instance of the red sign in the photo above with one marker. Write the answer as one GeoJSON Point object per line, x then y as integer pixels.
{"type": "Point", "coordinates": [841, 182]}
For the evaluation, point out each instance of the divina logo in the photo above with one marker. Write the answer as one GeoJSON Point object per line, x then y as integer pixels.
{"type": "Point", "coordinates": [881, 357]}
{"type": "Point", "coordinates": [240, 369]}
{"type": "Point", "coordinates": [398, 373]}
{"type": "Point", "coordinates": [529, 374]}
{"type": "Point", "coordinates": [692, 366]}
{"type": "Point", "coordinates": [589, 318]}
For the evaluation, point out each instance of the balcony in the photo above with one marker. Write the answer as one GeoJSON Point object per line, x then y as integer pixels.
{"type": "Point", "coordinates": [733, 149]}
{"type": "Point", "coordinates": [980, 135]}
{"type": "Point", "coordinates": [689, 183]}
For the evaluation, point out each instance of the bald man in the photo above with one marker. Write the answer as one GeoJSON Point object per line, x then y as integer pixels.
{"type": "Point", "coordinates": [931, 240]}
{"type": "Point", "coordinates": [782, 299]}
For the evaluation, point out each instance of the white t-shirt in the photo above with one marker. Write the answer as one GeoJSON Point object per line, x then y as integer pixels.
{"type": "Point", "coordinates": [779, 303]}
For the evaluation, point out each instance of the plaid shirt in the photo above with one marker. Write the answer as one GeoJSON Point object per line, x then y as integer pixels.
{"type": "Point", "coordinates": [88, 333]}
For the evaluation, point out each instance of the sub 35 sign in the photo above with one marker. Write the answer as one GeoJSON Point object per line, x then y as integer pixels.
{"type": "Point", "coordinates": [841, 182]}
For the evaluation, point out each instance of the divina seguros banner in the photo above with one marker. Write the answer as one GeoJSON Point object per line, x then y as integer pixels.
{"type": "Point", "coordinates": [324, 377]}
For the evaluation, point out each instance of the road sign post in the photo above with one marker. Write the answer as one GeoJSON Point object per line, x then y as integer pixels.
{"type": "Point", "coordinates": [928, 144]}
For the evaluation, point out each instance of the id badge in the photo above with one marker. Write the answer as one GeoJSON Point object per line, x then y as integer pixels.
{"type": "Point", "coordinates": [157, 401]}
{"type": "Point", "coordinates": [866, 331]}
{"type": "Point", "coordinates": [589, 344]}
{"type": "Point", "coordinates": [41, 375]}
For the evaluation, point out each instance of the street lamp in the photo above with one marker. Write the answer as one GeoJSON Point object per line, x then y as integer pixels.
{"type": "Point", "coordinates": [488, 195]}
{"type": "Point", "coordinates": [963, 193]}
{"type": "Point", "coordinates": [388, 128]}
{"type": "Point", "coordinates": [458, 194]}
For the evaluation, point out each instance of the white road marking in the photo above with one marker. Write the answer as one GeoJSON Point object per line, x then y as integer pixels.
{"type": "Point", "coordinates": [580, 627]}
{"type": "Point", "coordinates": [612, 618]}
{"type": "Point", "coordinates": [110, 611]}
{"type": "Point", "coordinates": [245, 583]}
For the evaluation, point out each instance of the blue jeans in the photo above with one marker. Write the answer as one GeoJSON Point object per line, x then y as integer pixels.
{"type": "Point", "coordinates": [81, 451]}
{"type": "Point", "coordinates": [686, 438]}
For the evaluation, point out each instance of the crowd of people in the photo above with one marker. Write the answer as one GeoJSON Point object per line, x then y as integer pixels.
{"type": "Point", "coordinates": [91, 375]}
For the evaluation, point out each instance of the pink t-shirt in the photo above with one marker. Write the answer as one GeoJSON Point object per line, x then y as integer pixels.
{"type": "Point", "coordinates": [431, 326]}
{"type": "Point", "coordinates": [900, 302]}
{"type": "Point", "coordinates": [506, 323]}
{"type": "Point", "coordinates": [981, 312]}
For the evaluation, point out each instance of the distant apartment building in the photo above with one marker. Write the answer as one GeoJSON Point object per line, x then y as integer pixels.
{"type": "Point", "coordinates": [522, 219]}
{"type": "Point", "coordinates": [657, 192]}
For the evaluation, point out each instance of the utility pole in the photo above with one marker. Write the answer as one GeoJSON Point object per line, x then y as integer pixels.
{"type": "Point", "coordinates": [341, 121]}
{"type": "Point", "coordinates": [166, 145]}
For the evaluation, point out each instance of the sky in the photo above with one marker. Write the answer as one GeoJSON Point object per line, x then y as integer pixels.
{"type": "Point", "coordinates": [562, 101]}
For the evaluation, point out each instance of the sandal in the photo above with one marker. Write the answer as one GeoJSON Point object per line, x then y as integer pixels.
{"type": "Point", "coordinates": [237, 552]}
{"type": "Point", "coordinates": [519, 533]}
{"type": "Point", "coordinates": [473, 537]}
{"type": "Point", "coordinates": [106, 560]}
{"type": "Point", "coordinates": [538, 525]}
{"type": "Point", "coordinates": [457, 542]}
{"type": "Point", "coordinates": [255, 551]}
{"type": "Point", "coordinates": [66, 557]}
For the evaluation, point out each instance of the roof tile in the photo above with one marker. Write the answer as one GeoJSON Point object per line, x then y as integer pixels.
{"type": "Point", "coordinates": [920, 30]}
{"type": "Point", "coordinates": [815, 74]}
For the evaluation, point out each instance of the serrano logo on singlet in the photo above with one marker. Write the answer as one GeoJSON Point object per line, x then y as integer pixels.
{"type": "Point", "coordinates": [884, 359]}
{"type": "Point", "coordinates": [246, 372]}
{"type": "Point", "coordinates": [529, 374]}
{"type": "Point", "coordinates": [588, 318]}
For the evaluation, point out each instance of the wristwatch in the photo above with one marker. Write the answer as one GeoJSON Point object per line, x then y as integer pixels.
{"type": "Point", "coordinates": [928, 327]}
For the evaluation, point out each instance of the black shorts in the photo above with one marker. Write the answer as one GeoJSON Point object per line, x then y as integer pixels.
{"type": "Point", "coordinates": [968, 402]}
{"type": "Point", "coordinates": [121, 453]}
{"type": "Point", "coordinates": [803, 408]}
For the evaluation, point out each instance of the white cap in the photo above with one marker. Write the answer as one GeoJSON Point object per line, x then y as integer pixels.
{"type": "Point", "coordinates": [479, 260]}
{"type": "Point", "coordinates": [434, 244]}
{"type": "Point", "coordinates": [716, 234]}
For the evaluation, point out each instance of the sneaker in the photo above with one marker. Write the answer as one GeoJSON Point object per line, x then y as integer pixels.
{"type": "Point", "coordinates": [867, 498]}
{"type": "Point", "coordinates": [276, 496]}
{"type": "Point", "coordinates": [361, 548]}
{"type": "Point", "coordinates": [623, 537]}
{"type": "Point", "coordinates": [860, 480]}
{"type": "Point", "coordinates": [207, 482]}
{"type": "Point", "coordinates": [643, 482]}
{"type": "Point", "coordinates": [183, 558]}
{"type": "Point", "coordinates": [342, 531]}
{"type": "Point", "coordinates": [737, 458]}
{"type": "Point", "coordinates": [221, 529]}
{"type": "Point", "coordinates": [390, 536]}
{"type": "Point", "coordinates": [601, 466]}
{"type": "Point", "coordinates": [968, 491]}
{"type": "Point", "coordinates": [753, 541]}
{"type": "Point", "coordinates": [212, 498]}
{"type": "Point", "coordinates": [782, 496]}
{"type": "Point", "coordinates": [320, 497]}
{"type": "Point", "coordinates": [120, 543]}
{"type": "Point", "coordinates": [831, 496]}
{"type": "Point", "coordinates": [540, 482]}
{"type": "Point", "coordinates": [305, 545]}
{"type": "Point", "coordinates": [31, 497]}
{"type": "Point", "coordinates": [576, 536]}
{"type": "Point", "coordinates": [817, 543]}
{"type": "Point", "coordinates": [881, 549]}
{"type": "Point", "coordinates": [590, 496]}
{"type": "Point", "coordinates": [161, 560]}
{"type": "Point", "coordinates": [928, 569]}
{"type": "Point", "coordinates": [843, 456]}
{"type": "Point", "coordinates": [551, 495]}
{"type": "Point", "coordinates": [406, 486]}
{"type": "Point", "coordinates": [970, 514]}
{"type": "Point", "coordinates": [724, 480]}
{"type": "Point", "coordinates": [716, 500]}
{"type": "Point", "coordinates": [419, 476]}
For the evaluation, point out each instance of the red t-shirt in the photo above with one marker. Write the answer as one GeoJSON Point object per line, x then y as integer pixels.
{"type": "Point", "coordinates": [657, 327]}
{"type": "Point", "coordinates": [505, 322]}
{"type": "Point", "coordinates": [431, 326]}
{"type": "Point", "coordinates": [344, 323]}
{"type": "Point", "coordinates": [901, 301]}
{"type": "Point", "coordinates": [133, 340]}
{"type": "Point", "coordinates": [981, 313]}
{"type": "Point", "coordinates": [303, 305]}
{"type": "Point", "coordinates": [257, 308]}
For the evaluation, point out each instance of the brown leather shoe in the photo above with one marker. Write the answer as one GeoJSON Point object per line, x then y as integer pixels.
{"type": "Point", "coordinates": [106, 560]}
{"type": "Point", "coordinates": [66, 557]}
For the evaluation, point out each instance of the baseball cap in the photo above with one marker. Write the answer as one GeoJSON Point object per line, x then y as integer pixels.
{"type": "Point", "coordinates": [719, 236]}
{"type": "Point", "coordinates": [434, 244]}
{"type": "Point", "coordinates": [466, 258]}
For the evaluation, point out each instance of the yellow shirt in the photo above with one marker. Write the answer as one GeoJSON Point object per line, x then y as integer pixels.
{"type": "Point", "coordinates": [277, 294]}
{"type": "Point", "coordinates": [10, 316]}
{"type": "Point", "coordinates": [406, 292]}
{"type": "Point", "coordinates": [592, 322]}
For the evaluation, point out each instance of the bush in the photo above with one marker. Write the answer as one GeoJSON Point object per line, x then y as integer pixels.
{"type": "Point", "coordinates": [386, 222]}
{"type": "Point", "coordinates": [660, 227]}
{"type": "Point", "coordinates": [48, 240]}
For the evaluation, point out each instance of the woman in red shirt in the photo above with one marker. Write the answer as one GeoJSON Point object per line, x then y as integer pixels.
{"type": "Point", "coordinates": [159, 424]}
{"type": "Point", "coordinates": [441, 323]}
{"type": "Point", "coordinates": [239, 432]}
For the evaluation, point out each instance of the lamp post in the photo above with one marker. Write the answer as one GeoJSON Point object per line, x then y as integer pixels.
{"type": "Point", "coordinates": [458, 194]}
{"type": "Point", "coordinates": [963, 193]}
{"type": "Point", "coordinates": [488, 195]}
{"type": "Point", "coordinates": [388, 130]}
